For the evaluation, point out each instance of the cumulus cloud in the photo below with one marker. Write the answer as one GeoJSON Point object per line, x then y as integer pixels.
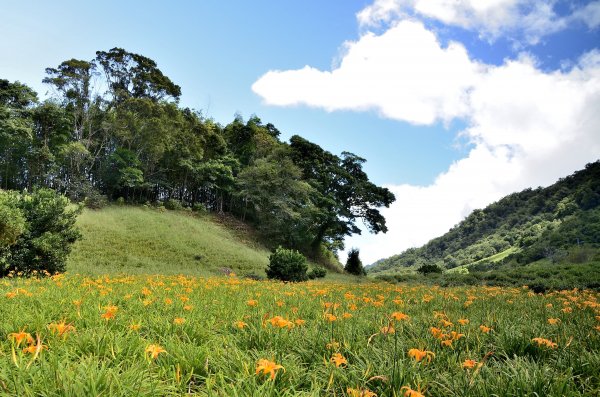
{"type": "Point", "coordinates": [404, 74]}
{"type": "Point", "coordinates": [527, 20]}
{"type": "Point", "coordinates": [527, 127]}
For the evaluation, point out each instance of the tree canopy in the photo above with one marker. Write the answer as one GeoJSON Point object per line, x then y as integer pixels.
{"type": "Point", "coordinates": [114, 128]}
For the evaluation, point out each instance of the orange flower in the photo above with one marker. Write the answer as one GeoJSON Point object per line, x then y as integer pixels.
{"type": "Point", "coordinates": [240, 324]}
{"type": "Point", "coordinates": [346, 315]}
{"type": "Point", "coordinates": [388, 330]}
{"type": "Point", "coordinates": [21, 336]}
{"type": "Point", "coordinates": [484, 329]}
{"type": "Point", "coordinates": [399, 316]}
{"type": "Point", "coordinates": [154, 351]}
{"type": "Point", "coordinates": [188, 308]}
{"type": "Point", "coordinates": [299, 322]}
{"type": "Point", "coordinates": [179, 321]}
{"type": "Point", "coordinates": [553, 321]}
{"type": "Point", "coordinates": [447, 343]}
{"type": "Point", "coordinates": [545, 342]}
{"type": "Point", "coordinates": [436, 332]}
{"type": "Point", "coordinates": [468, 364]}
{"type": "Point", "coordinates": [280, 322]}
{"type": "Point", "coordinates": [463, 321]}
{"type": "Point", "coordinates": [61, 328]}
{"type": "Point", "coordinates": [408, 392]}
{"type": "Point", "coordinates": [267, 367]}
{"type": "Point", "coordinates": [135, 326]}
{"type": "Point", "coordinates": [446, 323]}
{"type": "Point", "coordinates": [252, 302]}
{"type": "Point", "coordinates": [360, 393]}
{"type": "Point", "coordinates": [338, 360]}
{"type": "Point", "coordinates": [419, 355]}
{"type": "Point", "coordinates": [330, 317]}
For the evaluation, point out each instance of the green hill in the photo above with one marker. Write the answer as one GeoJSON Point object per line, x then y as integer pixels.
{"type": "Point", "coordinates": [145, 240]}
{"type": "Point", "coordinates": [559, 224]}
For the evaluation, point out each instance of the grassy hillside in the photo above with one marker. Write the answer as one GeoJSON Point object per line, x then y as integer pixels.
{"type": "Point", "coordinates": [138, 240]}
{"type": "Point", "coordinates": [559, 224]}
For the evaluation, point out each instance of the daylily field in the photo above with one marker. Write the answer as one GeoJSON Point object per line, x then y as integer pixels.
{"type": "Point", "coordinates": [178, 335]}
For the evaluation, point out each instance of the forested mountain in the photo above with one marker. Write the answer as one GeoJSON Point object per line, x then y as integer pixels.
{"type": "Point", "coordinates": [520, 228]}
{"type": "Point", "coordinates": [114, 130]}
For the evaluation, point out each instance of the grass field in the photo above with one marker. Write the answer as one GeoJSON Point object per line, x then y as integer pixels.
{"type": "Point", "coordinates": [180, 335]}
{"type": "Point", "coordinates": [139, 240]}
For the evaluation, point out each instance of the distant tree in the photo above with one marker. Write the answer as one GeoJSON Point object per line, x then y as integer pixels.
{"type": "Point", "coordinates": [428, 269]}
{"type": "Point", "coordinates": [354, 264]}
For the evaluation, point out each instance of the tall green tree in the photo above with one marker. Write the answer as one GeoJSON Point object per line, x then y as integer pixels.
{"type": "Point", "coordinates": [16, 132]}
{"type": "Point", "coordinates": [343, 194]}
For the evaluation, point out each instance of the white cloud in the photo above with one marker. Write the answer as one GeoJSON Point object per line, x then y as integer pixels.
{"type": "Point", "coordinates": [527, 20]}
{"type": "Point", "coordinates": [528, 127]}
{"type": "Point", "coordinates": [590, 14]}
{"type": "Point", "coordinates": [399, 74]}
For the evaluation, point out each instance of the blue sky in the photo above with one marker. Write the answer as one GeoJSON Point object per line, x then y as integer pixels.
{"type": "Point", "coordinates": [449, 102]}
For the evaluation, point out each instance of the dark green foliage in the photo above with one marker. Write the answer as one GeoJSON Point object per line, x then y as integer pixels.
{"type": "Point", "coordinates": [317, 272]}
{"type": "Point", "coordinates": [47, 234]}
{"type": "Point", "coordinates": [354, 264]}
{"type": "Point", "coordinates": [287, 265]}
{"type": "Point", "coordinates": [134, 144]}
{"type": "Point", "coordinates": [428, 269]}
{"type": "Point", "coordinates": [173, 205]}
{"type": "Point", "coordinates": [12, 220]}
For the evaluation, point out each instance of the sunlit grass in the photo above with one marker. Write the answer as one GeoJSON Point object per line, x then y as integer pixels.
{"type": "Point", "coordinates": [173, 335]}
{"type": "Point", "coordinates": [136, 240]}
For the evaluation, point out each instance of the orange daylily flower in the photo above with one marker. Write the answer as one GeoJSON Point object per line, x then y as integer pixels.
{"type": "Point", "coordinates": [419, 355]}
{"type": "Point", "coordinates": [399, 316]}
{"type": "Point", "coordinates": [485, 329]}
{"type": "Point", "coordinates": [155, 350]}
{"type": "Point", "coordinates": [408, 392]}
{"type": "Point", "coordinates": [386, 330]}
{"type": "Point", "coordinates": [469, 364]}
{"type": "Point", "coordinates": [21, 336]}
{"type": "Point", "coordinates": [338, 360]}
{"type": "Point", "coordinates": [360, 393]}
{"type": "Point", "coordinates": [545, 342]}
{"type": "Point", "coordinates": [61, 328]}
{"type": "Point", "coordinates": [553, 321]}
{"type": "Point", "coordinates": [463, 321]}
{"type": "Point", "coordinates": [240, 324]}
{"type": "Point", "coordinates": [268, 367]}
{"type": "Point", "coordinates": [252, 302]}
{"type": "Point", "coordinates": [135, 326]}
{"type": "Point", "coordinates": [179, 321]}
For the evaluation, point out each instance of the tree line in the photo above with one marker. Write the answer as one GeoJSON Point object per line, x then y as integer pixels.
{"type": "Point", "coordinates": [114, 128]}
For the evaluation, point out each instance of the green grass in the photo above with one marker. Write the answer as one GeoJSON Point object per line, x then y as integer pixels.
{"type": "Point", "coordinates": [137, 240]}
{"type": "Point", "coordinates": [494, 258]}
{"type": "Point", "coordinates": [195, 320]}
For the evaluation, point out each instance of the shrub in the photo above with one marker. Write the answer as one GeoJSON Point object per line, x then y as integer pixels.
{"type": "Point", "coordinates": [173, 205]}
{"type": "Point", "coordinates": [12, 221]}
{"type": "Point", "coordinates": [120, 201]}
{"type": "Point", "coordinates": [48, 233]}
{"type": "Point", "coordinates": [287, 265]}
{"type": "Point", "coordinates": [354, 264]}
{"type": "Point", "coordinates": [199, 207]}
{"type": "Point", "coordinates": [317, 272]}
{"type": "Point", "coordinates": [428, 269]}
{"type": "Point", "coordinates": [95, 200]}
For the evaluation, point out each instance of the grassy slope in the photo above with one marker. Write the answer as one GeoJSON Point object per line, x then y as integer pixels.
{"type": "Point", "coordinates": [137, 240]}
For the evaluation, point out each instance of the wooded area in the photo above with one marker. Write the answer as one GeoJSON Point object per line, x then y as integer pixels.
{"type": "Point", "coordinates": [114, 129]}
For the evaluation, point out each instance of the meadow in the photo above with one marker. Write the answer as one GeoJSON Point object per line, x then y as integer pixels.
{"type": "Point", "coordinates": [142, 335]}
